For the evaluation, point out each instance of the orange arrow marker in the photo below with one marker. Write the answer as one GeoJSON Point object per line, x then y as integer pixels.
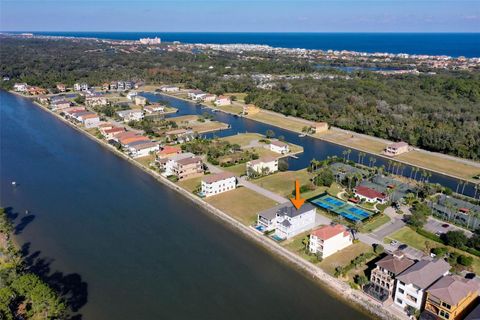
{"type": "Point", "coordinates": [297, 201]}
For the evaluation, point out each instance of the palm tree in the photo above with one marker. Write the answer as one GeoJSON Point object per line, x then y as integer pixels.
{"type": "Point", "coordinates": [476, 187]}
{"type": "Point", "coordinates": [348, 154]}
{"type": "Point", "coordinates": [390, 162]}
{"type": "Point", "coordinates": [458, 185]}
{"type": "Point", "coordinates": [463, 188]}
{"type": "Point", "coordinates": [344, 152]}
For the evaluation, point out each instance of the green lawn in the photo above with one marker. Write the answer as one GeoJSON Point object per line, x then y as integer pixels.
{"type": "Point", "coordinates": [243, 204]}
{"type": "Point", "coordinates": [295, 245]}
{"type": "Point", "coordinates": [243, 139]}
{"type": "Point", "coordinates": [283, 183]}
{"type": "Point", "coordinates": [343, 258]}
{"type": "Point", "coordinates": [190, 184]}
{"type": "Point", "coordinates": [238, 169]}
{"type": "Point", "coordinates": [375, 223]}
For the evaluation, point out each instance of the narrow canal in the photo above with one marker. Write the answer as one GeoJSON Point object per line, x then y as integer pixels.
{"type": "Point", "coordinates": [313, 148]}
{"type": "Point", "coordinates": [120, 245]}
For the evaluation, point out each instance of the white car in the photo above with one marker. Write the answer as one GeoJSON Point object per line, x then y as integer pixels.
{"type": "Point", "coordinates": [394, 243]}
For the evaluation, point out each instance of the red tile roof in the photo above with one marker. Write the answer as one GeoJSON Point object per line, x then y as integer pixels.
{"type": "Point", "coordinates": [369, 192]}
{"type": "Point", "coordinates": [170, 150]}
{"type": "Point", "coordinates": [327, 232]}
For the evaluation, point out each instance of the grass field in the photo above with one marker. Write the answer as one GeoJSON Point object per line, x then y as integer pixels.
{"type": "Point", "coordinates": [243, 204]}
{"type": "Point", "coordinates": [190, 184]}
{"type": "Point", "coordinates": [238, 170]}
{"type": "Point", "coordinates": [184, 119]}
{"type": "Point", "coordinates": [357, 142]}
{"type": "Point", "coordinates": [279, 120]}
{"type": "Point", "coordinates": [234, 108]}
{"type": "Point", "coordinates": [438, 163]}
{"type": "Point", "coordinates": [283, 183]}
{"type": "Point", "coordinates": [146, 160]}
{"type": "Point", "coordinates": [243, 139]}
{"type": "Point", "coordinates": [408, 236]}
{"type": "Point", "coordinates": [375, 223]}
{"type": "Point", "coordinates": [296, 245]}
{"type": "Point", "coordinates": [343, 258]}
{"type": "Point", "coordinates": [208, 126]}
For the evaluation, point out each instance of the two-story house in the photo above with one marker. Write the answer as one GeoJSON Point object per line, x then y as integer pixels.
{"type": "Point", "coordinates": [413, 283]}
{"type": "Point", "coordinates": [218, 183]}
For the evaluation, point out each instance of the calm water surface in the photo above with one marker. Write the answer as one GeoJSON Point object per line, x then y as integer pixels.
{"type": "Point", "coordinates": [123, 246]}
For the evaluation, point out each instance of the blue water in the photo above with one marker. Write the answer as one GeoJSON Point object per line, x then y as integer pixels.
{"type": "Point", "coordinates": [451, 44]}
{"type": "Point", "coordinates": [312, 148]}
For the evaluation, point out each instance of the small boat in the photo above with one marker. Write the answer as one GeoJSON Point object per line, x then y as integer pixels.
{"type": "Point", "coordinates": [14, 183]}
{"type": "Point", "coordinates": [27, 212]}
{"type": "Point", "coordinates": [302, 135]}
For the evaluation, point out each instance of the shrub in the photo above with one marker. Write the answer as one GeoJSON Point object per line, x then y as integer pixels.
{"type": "Point", "coordinates": [378, 248]}
{"type": "Point", "coordinates": [465, 260]}
{"type": "Point", "coordinates": [440, 251]}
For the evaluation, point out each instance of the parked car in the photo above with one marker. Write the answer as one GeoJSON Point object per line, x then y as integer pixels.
{"type": "Point", "coordinates": [394, 243]}
{"type": "Point", "coordinates": [445, 225]}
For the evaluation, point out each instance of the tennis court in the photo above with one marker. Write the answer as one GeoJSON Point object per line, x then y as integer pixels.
{"type": "Point", "coordinates": [346, 210]}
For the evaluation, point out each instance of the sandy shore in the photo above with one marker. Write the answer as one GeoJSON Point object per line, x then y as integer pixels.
{"type": "Point", "coordinates": [335, 286]}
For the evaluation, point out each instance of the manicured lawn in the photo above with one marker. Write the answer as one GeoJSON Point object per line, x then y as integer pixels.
{"type": "Point", "coordinates": [234, 108]}
{"type": "Point", "coordinates": [375, 223]}
{"type": "Point", "coordinates": [410, 237]}
{"type": "Point", "coordinates": [283, 183]}
{"type": "Point", "coordinates": [242, 204]}
{"type": "Point", "coordinates": [190, 184]}
{"type": "Point", "coordinates": [238, 170]}
{"type": "Point", "coordinates": [343, 257]}
{"type": "Point", "coordinates": [243, 139]}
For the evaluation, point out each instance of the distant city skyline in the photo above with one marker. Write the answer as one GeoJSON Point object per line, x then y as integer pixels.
{"type": "Point", "coordinates": [241, 16]}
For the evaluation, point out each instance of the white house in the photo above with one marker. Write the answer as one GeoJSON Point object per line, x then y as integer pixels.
{"type": "Point", "coordinates": [286, 220]}
{"type": "Point", "coordinates": [20, 87]}
{"type": "Point", "coordinates": [95, 100]}
{"type": "Point", "coordinates": [279, 147]}
{"type": "Point", "coordinates": [223, 101]}
{"type": "Point", "coordinates": [128, 115]}
{"type": "Point", "coordinates": [167, 164]}
{"type": "Point", "coordinates": [131, 95]}
{"type": "Point", "coordinates": [140, 101]}
{"type": "Point", "coordinates": [328, 240]}
{"type": "Point", "coordinates": [264, 165]}
{"type": "Point", "coordinates": [91, 120]}
{"type": "Point", "coordinates": [169, 89]}
{"type": "Point", "coordinates": [142, 148]}
{"type": "Point", "coordinates": [370, 195]}
{"type": "Point", "coordinates": [218, 183]}
{"type": "Point", "coordinates": [59, 104]}
{"type": "Point", "coordinates": [153, 108]}
{"type": "Point", "coordinates": [196, 95]}
{"type": "Point", "coordinates": [412, 284]}
{"type": "Point", "coordinates": [80, 87]}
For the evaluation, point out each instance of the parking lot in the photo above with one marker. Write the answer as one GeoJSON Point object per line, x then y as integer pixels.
{"type": "Point", "coordinates": [438, 227]}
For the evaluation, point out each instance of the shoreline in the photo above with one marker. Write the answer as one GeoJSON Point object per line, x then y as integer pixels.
{"type": "Point", "coordinates": [460, 160]}
{"type": "Point", "coordinates": [333, 286]}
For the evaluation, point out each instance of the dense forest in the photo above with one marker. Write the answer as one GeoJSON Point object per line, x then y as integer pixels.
{"type": "Point", "coordinates": [436, 112]}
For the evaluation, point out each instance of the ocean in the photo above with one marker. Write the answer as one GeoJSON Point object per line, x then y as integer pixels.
{"type": "Point", "coordinates": [450, 44]}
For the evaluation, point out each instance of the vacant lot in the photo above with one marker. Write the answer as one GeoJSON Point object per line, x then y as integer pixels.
{"type": "Point", "coordinates": [243, 139]}
{"type": "Point", "coordinates": [439, 163]}
{"type": "Point", "coordinates": [353, 140]}
{"type": "Point", "coordinates": [190, 184]}
{"type": "Point", "coordinates": [291, 123]}
{"type": "Point", "coordinates": [242, 204]}
{"type": "Point", "coordinates": [343, 258]}
{"type": "Point", "coordinates": [238, 170]}
{"type": "Point", "coordinates": [283, 183]}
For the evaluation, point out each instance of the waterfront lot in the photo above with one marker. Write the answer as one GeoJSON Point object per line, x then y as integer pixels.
{"type": "Point", "coordinates": [243, 204]}
{"type": "Point", "coordinates": [439, 163]}
{"type": "Point", "coordinates": [283, 183]}
{"type": "Point", "coordinates": [243, 139]}
{"type": "Point", "coordinates": [343, 258]}
{"type": "Point", "coordinates": [353, 140]}
{"type": "Point", "coordinates": [294, 124]}
{"type": "Point", "coordinates": [191, 184]}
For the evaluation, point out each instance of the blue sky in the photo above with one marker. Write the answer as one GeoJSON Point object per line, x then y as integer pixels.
{"type": "Point", "coordinates": [242, 15]}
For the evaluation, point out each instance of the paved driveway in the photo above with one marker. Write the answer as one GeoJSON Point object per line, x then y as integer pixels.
{"type": "Point", "coordinates": [388, 228]}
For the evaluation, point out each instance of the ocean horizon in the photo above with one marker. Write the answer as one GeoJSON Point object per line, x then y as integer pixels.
{"type": "Point", "coordinates": [449, 44]}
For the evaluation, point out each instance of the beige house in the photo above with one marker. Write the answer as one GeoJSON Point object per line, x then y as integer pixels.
{"type": "Point", "coordinates": [262, 166]}
{"type": "Point", "coordinates": [140, 101]}
{"type": "Point", "coordinates": [387, 269]}
{"type": "Point", "coordinates": [320, 127]}
{"type": "Point", "coordinates": [396, 149]}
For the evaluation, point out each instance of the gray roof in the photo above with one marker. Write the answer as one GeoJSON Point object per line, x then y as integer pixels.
{"type": "Point", "coordinates": [285, 209]}
{"type": "Point", "coordinates": [452, 289]}
{"type": "Point", "coordinates": [423, 273]}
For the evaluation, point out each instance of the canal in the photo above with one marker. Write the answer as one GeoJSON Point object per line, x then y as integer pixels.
{"type": "Point", "coordinates": [313, 148]}
{"type": "Point", "coordinates": [120, 245]}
